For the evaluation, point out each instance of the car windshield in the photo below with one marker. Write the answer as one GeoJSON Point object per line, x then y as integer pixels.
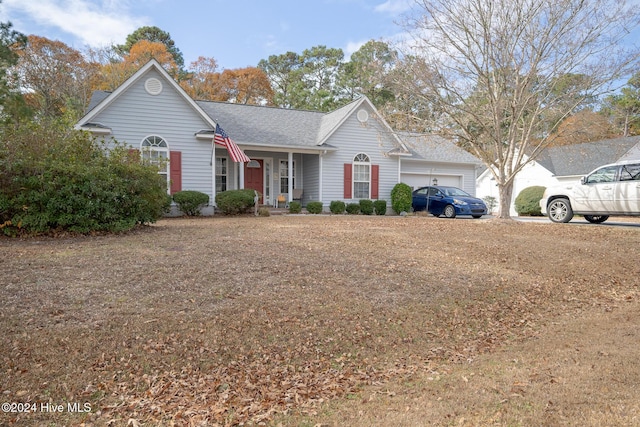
{"type": "Point", "coordinates": [453, 191]}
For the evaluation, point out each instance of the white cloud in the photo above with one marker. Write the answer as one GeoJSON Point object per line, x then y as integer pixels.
{"type": "Point", "coordinates": [394, 7]}
{"type": "Point", "coordinates": [94, 23]}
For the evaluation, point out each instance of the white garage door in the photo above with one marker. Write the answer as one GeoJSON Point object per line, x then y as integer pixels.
{"type": "Point", "coordinates": [416, 180]}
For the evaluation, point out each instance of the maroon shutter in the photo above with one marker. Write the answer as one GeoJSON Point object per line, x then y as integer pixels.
{"type": "Point", "coordinates": [175, 171]}
{"type": "Point", "coordinates": [375, 172]}
{"type": "Point", "coordinates": [348, 176]}
{"type": "Point", "coordinates": [134, 155]}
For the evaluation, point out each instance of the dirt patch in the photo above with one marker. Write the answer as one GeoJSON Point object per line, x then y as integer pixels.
{"type": "Point", "coordinates": [316, 319]}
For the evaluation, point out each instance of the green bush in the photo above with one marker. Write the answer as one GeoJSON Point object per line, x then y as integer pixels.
{"type": "Point", "coordinates": [380, 206]}
{"type": "Point", "coordinates": [528, 201]}
{"type": "Point", "coordinates": [366, 206]}
{"type": "Point", "coordinates": [235, 202]}
{"type": "Point", "coordinates": [55, 179]}
{"type": "Point", "coordinates": [353, 208]}
{"type": "Point", "coordinates": [190, 202]}
{"type": "Point", "coordinates": [314, 207]}
{"type": "Point", "coordinates": [337, 207]}
{"type": "Point", "coordinates": [401, 198]}
{"type": "Point", "coordinates": [295, 207]}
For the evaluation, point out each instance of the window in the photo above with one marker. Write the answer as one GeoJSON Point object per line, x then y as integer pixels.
{"type": "Point", "coordinates": [155, 151]}
{"type": "Point", "coordinates": [221, 174]}
{"type": "Point", "coordinates": [361, 176]}
{"type": "Point", "coordinates": [606, 174]}
{"type": "Point", "coordinates": [630, 173]}
{"type": "Point", "coordinates": [284, 176]}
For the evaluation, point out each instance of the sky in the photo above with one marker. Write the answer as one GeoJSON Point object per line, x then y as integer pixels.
{"type": "Point", "coordinates": [237, 33]}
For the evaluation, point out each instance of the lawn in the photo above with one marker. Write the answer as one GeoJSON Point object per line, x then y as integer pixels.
{"type": "Point", "coordinates": [323, 320]}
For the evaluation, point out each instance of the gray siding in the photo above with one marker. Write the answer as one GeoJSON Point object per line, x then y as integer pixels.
{"type": "Point", "coordinates": [311, 173]}
{"type": "Point", "coordinates": [136, 114]}
{"type": "Point", "coordinates": [353, 137]}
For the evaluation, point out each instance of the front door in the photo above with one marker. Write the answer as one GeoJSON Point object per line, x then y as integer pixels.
{"type": "Point", "coordinates": [254, 178]}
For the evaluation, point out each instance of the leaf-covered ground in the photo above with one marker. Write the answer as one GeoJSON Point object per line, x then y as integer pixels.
{"type": "Point", "coordinates": [305, 320]}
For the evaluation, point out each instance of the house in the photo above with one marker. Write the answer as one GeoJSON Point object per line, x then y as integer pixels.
{"type": "Point", "coordinates": [348, 154]}
{"type": "Point", "coordinates": [564, 165]}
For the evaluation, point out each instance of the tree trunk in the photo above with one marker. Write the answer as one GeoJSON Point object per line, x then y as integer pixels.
{"type": "Point", "coordinates": [505, 192]}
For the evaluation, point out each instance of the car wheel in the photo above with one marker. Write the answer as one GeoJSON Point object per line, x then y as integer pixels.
{"type": "Point", "coordinates": [449, 211]}
{"type": "Point", "coordinates": [596, 219]}
{"type": "Point", "coordinates": [560, 210]}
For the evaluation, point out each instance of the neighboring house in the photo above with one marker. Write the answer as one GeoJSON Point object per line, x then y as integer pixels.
{"type": "Point", "coordinates": [563, 165]}
{"type": "Point", "coordinates": [348, 154]}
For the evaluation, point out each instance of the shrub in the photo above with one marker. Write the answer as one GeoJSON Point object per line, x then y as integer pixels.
{"type": "Point", "coordinates": [264, 212]}
{"type": "Point", "coordinates": [528, 201]}
{"type": "Point", "coordinates": [491, 203]}
{"type": "Point", "coordinates": [337, 207]}
{"type": "Point", "coordinates": [366, 206]}
{"type": "Point", "coordinates": [314, 207]}
{"type": "Point", "coordinates": [401, 198]}
{"type": "Point", "coordinates": [295, 207]}
{"type": "Point", "coordinates": [380, 206]}
{"type": "Point", "coordinates": [190, 202]}
{"type": "Point", "coordinates": [234, 202]}
{"type": "Point", "coordinates": [353, 208]}
{"type": "Point", "coordinates": [54, 179]}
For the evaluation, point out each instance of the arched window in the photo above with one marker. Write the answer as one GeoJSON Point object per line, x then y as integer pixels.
{"type": "Point", "coordinates": [361, 176]}
{"type": "Point", "coordinates": [156, 152]}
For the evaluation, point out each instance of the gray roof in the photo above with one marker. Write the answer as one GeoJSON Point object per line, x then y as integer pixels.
{"type": "Point", "coordinates": [251, 124]}
{"type": "Point", "coordinates": [436, 149]}
{"type": "Point", "coordinates": [580, 159]}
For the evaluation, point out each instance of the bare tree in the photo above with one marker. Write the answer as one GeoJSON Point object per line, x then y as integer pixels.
{"type": "Point", "coordinates": [497, 70]}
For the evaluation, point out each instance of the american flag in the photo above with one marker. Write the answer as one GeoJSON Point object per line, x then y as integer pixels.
{"type": "Point", "coordinates": [221, 138]}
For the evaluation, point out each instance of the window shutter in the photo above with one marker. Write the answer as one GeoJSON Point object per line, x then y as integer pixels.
{"type": "Point", "coordinates": [134, 155]}
{"type": "Point", "coordinates": [375, 172]}
{"type": "Point", "coordinates": [175, 171]}
{"type": "Point", "coordinates": [348, 177]}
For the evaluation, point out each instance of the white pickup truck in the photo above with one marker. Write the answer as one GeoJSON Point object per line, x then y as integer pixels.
{"type": "Point", "coordinates": [609, 190]}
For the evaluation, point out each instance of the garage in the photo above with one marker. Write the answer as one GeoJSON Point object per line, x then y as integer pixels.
{"type": "Point", "coordinates": [416, 180]}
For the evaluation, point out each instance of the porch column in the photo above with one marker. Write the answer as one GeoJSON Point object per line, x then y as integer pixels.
{"type": "Point", "coordinates": [241, 175]}
{"type": "Point", "coordinates": [290, 169]}
{"type": "Point", "coordinates": [321, 156]}
{"type": "Point", "coordinates": [213, 174]}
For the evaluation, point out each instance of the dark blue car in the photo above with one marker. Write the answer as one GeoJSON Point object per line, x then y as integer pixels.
{"type": "Point", "coordinates": [447, 201]}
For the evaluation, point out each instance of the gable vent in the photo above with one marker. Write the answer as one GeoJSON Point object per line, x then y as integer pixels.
{"type": "Point", "coordinates": [363, 116]}
{"type": "Point", "coordinates": [153, 86]}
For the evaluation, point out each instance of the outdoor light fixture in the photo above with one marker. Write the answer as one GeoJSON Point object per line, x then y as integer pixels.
{"type": "Point", "coordinates": [435, 181]}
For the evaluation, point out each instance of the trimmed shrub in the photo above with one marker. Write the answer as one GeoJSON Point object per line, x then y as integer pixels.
{"type": "Point", "coordinates": [353, 208]}
{"type": "Point", "coordinates": [380, 206]}
{"type": "Point", "coordinates": [528, 201]}
{"type": "Point", "coordinates": [295, 208]}
{"type": "Point", "coordinates": [314, 207]}
{"type": "Point", "coordinates": [235, 202]}
{"type": "Point", "coordinates": [337, 207]}
{"type": "Point", "coordinates": [55, 179]}
{"type": "Point", "coordinates": [190, 202]}
{"type": "Point", "coordinates": [401, 198]}
{"type": "Point", "coordinates": [366, 206]}
{"type": "Point", "coordinates": [264, 212]}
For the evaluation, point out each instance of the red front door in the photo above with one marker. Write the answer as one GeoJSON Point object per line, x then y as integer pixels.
{"type": "Point", "coordinates": [253, 178]}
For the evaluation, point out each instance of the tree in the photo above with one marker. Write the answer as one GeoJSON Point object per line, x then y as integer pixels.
{"type": "Point", "coordinates": [11, 43]}
{"type": "Point", "coordinates": [113, 74]}
{"type": "Point", "coordinates": [55, 77]}
{"type": "Point", "coordinates": [152, 34]}
{"type": "Point", "coordinates": [584, 126]}
{"type": "Point", "coordinates": [492, 70]}
{"type": "Point", "coordinates": [200, 82]}
{"type": "Point", "coordinates": [306, 81]}
{"type": "Point", "coordinates": [248, 85]}
{"type": "Point", "coordinates": [285, 74]}
{"type": "Point", "coordinates": [624, 107]}
{"type": "Point", "coordinates": [367, 73]}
